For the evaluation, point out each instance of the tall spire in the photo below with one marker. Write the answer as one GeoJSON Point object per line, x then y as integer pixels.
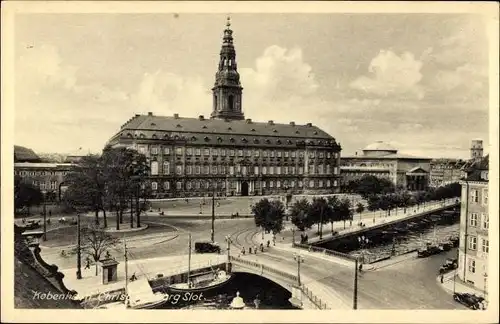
{"type": "Point", "coordinates": [227, 89]}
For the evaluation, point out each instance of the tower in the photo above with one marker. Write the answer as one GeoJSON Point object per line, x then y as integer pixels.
{"type": "Point", "coordinates": [476, 149]}
{"type": "Point", "coordinates": [227, 89]}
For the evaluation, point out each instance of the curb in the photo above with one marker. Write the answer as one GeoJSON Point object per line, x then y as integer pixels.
{"type": "Point", "coordinates": [129, 230]}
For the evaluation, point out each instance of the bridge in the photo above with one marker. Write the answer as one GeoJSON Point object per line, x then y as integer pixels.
{"type": "Point", "coordinates": [330, 278]}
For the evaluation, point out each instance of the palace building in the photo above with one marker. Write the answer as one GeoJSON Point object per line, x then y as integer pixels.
{"type": "Point", "coordinates": [228, 155]}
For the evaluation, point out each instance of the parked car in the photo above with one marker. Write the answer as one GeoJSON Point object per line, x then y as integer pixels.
{"type": "Point", "coordinates": [470, 300]}
{"type": "Point", "coordinates": [206, 247]}
{"type": "Point", "coordinates": [31, 225]}
{"type": "Point", "coordinates": [450, 264]}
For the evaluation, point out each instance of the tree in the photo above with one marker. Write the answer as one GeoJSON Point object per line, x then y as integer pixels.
{"type": "Point", "coordinates": [300, 214]}
{"type": "Point", "coordinates": [373, 202]}
{"type": "Point", "coordinates": [334, 215]}
{"type": "Point", "coordinates": [269, 215]}
{"type": "Point", "coordinates": [96, 242]}
{"type": "Point", "coordinates": [360, 208]}
{"type": "Point", "coordinates": [371, 185]}
{"type": "Point", "coordinates": [320, 213]}
{"type": "Point", "coordinates": [345, 211]}
{"type": "Point", "coordinates": [26, 195]}
{"type": "Point", "coordinates": [88, 175]}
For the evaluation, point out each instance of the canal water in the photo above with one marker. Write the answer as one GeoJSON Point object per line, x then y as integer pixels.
{"type": "Point", "coordinates": [391, 242]}
{"type": "Point", "coordinates": [250, 287]}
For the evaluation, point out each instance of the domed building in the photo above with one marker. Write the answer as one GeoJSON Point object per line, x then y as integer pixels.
{"type": "Point", "coordinates": [382, 160]}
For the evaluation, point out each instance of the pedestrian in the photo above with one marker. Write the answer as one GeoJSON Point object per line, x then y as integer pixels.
{"type": "Point", "coordinates": [261, 247]}
{"type": "Point", "coordinates": [243, 250]}
{"type": "Point", "coordinates": [255, 249]}
{"type": "Point", "coordinates": [268, 243]}
{"type": "Point", "coordinates": [24, 220]}
{"type": "Point", "coordinates": [250, 250]}
{"type": "Point", "coordinates": [442, 278]}
{"type": "Point", "coordinates": [50, 213]}
{"type": "Point", "coordinates": [87, 265]}
{"type": "Point", "coordinates": [108, 255]}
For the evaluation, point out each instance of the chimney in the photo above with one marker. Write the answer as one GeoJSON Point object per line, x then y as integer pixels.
{"type": "Point", "coordinates": [176, 116]}
{"type": "Point", "coordinates": [270, 122]}
{"type": "Point", "coordinates": [292, 123]}
{"type": "Point", "coordinates": [150, 113]}
{"type": "Point", "coordinates": [309, 124]}
{"type": "Point", "coordinates": [249, 121]}
{"type": "Point", "coordinates": [201, 117]}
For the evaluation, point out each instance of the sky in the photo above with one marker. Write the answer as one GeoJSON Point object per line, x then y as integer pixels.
{"type": "Point", "coordinates": [416, 81]}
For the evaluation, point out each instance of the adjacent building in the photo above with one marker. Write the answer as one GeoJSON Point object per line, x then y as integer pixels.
{"type": "Point", "coordinates": [474, 225]}
{"type": "Point", "coordinates": [48, 177]}
{"type": "Point", "coordinates": [228, 154]}
{"type": "Point", "coordinates": [445, 171]}
{"type": "Point", "coordinates": [383, 161]}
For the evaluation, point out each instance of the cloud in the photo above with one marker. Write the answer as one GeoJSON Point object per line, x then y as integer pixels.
{"type": "Point", "coordinates": [391, 74]}
{"type": "Point", "coordinates": [167, 93]}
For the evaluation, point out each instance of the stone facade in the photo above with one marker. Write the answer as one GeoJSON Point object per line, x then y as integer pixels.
{"type": "Point", "coordinates": [445, 171]}
{"type": "Point", "coordinates": [48, 177]}
{"type": "Point", "coordinates": [228, 155]}
{"type": "Point", "coordinates": [474, 227]}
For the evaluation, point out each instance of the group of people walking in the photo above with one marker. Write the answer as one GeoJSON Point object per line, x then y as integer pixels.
{"type": "Point", "coordinates": [255, 249]}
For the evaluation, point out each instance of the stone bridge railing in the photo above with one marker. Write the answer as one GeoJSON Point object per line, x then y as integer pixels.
{"type": "Point", "coordinates": [266, 271]}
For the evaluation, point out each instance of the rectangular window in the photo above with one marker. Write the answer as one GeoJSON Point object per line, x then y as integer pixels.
{"type": "Point", "coordinates": [154, 150]}
{"type": "Point", "coordinates": [198, 152]}
{"type": "Point", "coordinates": [328, 155]}
{"type": "Point", "coordinates": [179, 185]}
{"type": "Point", "coordinates": [321, 155]}
{"type": "Point", "coordinates": [166, 150]}
{"type": "Point", "coordinates": [231, 153]}
{"type": "Point", "coordinates": [154, 168]}
{"type": "Point", "coordinates": [320, 169]}
{"type": "Point", "coordinates": [311, 168]}
{"type": "Point", "coordinates": [142, 149]}
{"type": "Point", "coordinates": [294, 154]}
{"type": "Point", "coordinates": [223, 169]}
{"type": "Point", "coordinates": [42, 186]}
{"type": "Point", "coordinates": [189, 169]}
{"type": "Point", "coordinates": [166, 185]}
{"type": "Point", "coordinates": [214, 169]}
{"type": "Point", "coordinates": [256, 170]}
{"type": "Point", "coordinates": [320, 183]}
{"type": "Point", "coordinates": [278, 184]}
{"type": "Point", "coordinates": [486, 246]}
{"type": "Point", "coordinates": [278, 154]}
{"type": "Point", "coordinates": [271, 170]}
{"type": "Point", "coordinates": [189, 151]}
{"type": "Point", "coordinates": [335, 183]}
{"type": "Point", "coordinates": [311, 155]}
{"type": "Point", "coordinates": [485, 197]}
{"type": "Point", "coordinates": [207, 185]}
{"type": "Point", "coordinates": [264, 170]}
{"type": "Point", "coordinates": [214, 152]}
{"type": "Point", "coordinates": [244, 170]}
{"type": "Point", "coordinates": [206, 169]}
{"type": "Point", "coordinates": [198, 169]}
{"type": "Point", "coordinates": [206, 152]}
{"type": "Point", "coordinates": [328, 169]}
{"type": "Point", "coordinates": [188, 185]}
{"type": "Point", "coordinates": [231, 170]}
{"type": "Point", "coordinates": [486, 221]}
{"type": "Point", "coordinates": [311, 184]}
{"type": "Point", "coordinates": [256, 153]}
{"type": "Point", "coordinates": [336, 170]}
{"type": "Point", "coordinates": [328, 183]}
{"type": "Point", "coordinates": [472, 243]}
{"type": "Point", "coordinates": [249, 152]}
{"type": "Point", "coordinates": [278, 170]}
{"type": "Point", "coordinates": [154, 186]}
{"type": "Point", "coordinates": [272, 153]}
{"type": "Point", "coordinates": [223, 153]}
{"type": "Point", "coordinates": [301, 170]}
{"type": "Point", "coordinates": [287, 154]}
{"type": "Point", "coordinates": [472, 265]}
{"type": "Point", "coordinates": [240, 152]}
{"type": "Point", "coordinates": [178, 151]}
{"type": "Point", "coordinates": [292, 183]}
{"type": "Point", "coordinates": [264, 153]}
{"type": "Point", "coordinates": [285, 170]}
{"type": "Point", "coordinates": [474, 196]}
{"type": "Point", "coordinates": [271, 184]}
{"type": "Point", "coordinates": [292, 170]}
{"type": "Point", "coordinates": [301, 184]}
{"type": "Point", "coordinates": [263, 184]}
{"type": "Point", "coordinates": [198, 185]}
{"type": "Point", "coordinates": [473, 219]}
{"type": "Point", "coordinates": [178, 169]}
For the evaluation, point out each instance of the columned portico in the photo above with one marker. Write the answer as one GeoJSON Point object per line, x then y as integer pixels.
{"type": "Point", "coordinates": [417, 180]}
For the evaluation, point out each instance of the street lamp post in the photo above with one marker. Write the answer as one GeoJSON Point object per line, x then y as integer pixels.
{"type": "Point", "coordinates": [293, 237]}
{"type": "Point", "coordinates": [212, 236]}
{"type": "Point", "coordinates": [44, 195]}
{"type": "Point", "coordinates": [299, 259]}
{"type": "Point", "coordinates": [229, 241]}
{"type": "Point", "coordinates": [355, 295]}
{"type": "Point", "coordinates": [78, 249]}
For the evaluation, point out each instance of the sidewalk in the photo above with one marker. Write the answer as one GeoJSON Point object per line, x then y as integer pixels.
{"type": "Point", "coordinates": [91, 284]}
{"type": "Point", "coordinates": [458, 286]}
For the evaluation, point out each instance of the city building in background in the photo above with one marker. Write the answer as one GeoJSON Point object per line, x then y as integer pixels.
{"type": "Point", "coordinates": [227, 154]}
{"type": "Point", "coordinates": [474, 225]}
{"type": "Point", "coordinates": [47, 176]}
{"type": "Point", "coordinates": [445, 171]}
{"type": "Point", "coordinates": [383, 161]}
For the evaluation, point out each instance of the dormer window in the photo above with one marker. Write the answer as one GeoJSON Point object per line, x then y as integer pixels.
{"type": "Point", "coordinates": [206, 138]}
{"type": "Point", "coordinates": [256, 141]}
{"type": "Point", "coordinates": [153, 124]}
{"type": "Point", "coordinates": [129, 135]}
{"type": "Point", "coordinates": [278, 142]}
{"type": "Point", "coordinates": [297, 132]}
{"type": "Point", "coordinates": [193, 138]}
{"type": "Point", "coordinates": [229, 128]}
{"type": "Point", "coordinates": [268, 141]}
{"type": "Point", "coordinates": [204, 127]}
{"type": "Point", "coordinates": [154, 136]}
{"type": "Point", "coordinates": [178, 126]}
{"type": "Point", "coordinates": [231, 140]}
{"type": "Point", "coordinates": [275, 131]}
{"type": "Point", "coordinates": [315, 133]}
{"type": "Point", "coordinates": [176, 137]}
{"type": "Point", "coordinates": [244, 140]}
{"type": "Point", "coordinates": [142, 136]}
{"type": "Point", "coordinates": [289, 142]}
{"type": "Point", "coordinates": [253, 129]}
{"type": "Point", "coordinates": [219, 139]}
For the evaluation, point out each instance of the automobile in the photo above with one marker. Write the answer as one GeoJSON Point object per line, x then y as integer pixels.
{"type": "Point", "coordinates": [31, 225]}
{"type": "Point", "coordinates": [206, 247]}
{"type": "Point", "coordinates": [450, 264]}
{"type": "Point", "coordinates": [470, 300]}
